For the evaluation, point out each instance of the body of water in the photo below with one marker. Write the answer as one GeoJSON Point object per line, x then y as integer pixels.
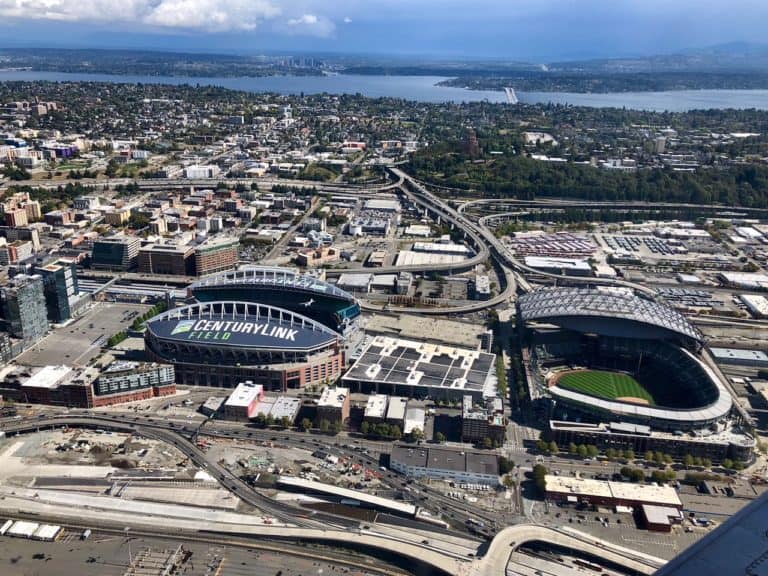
{"type": "Point", "coordinates": [425, 89]}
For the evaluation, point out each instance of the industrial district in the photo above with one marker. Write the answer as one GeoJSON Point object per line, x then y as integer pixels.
{"type": "Point", "coordinates": [233, 368]}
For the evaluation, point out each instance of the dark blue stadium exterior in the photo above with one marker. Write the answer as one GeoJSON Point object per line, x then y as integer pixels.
{"type": "Point", "coordinates": [283, 288]}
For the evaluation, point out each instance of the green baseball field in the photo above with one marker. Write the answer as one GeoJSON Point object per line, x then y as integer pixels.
{"type": "Point", "coordinates": [608, 385]}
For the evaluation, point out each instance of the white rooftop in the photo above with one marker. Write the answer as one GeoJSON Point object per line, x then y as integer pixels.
{"type": "Point", "coordinates": [47, 377]}
{"type": "Point", "coordinates": [376, 407]}
{"type": "Point", "coordinates": [333, 397]}
{"type": "Point", "coordinates": [244, 395]}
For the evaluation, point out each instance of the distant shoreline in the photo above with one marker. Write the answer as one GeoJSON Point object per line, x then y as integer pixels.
{"type": "Point", "coordinates": [432, 89]}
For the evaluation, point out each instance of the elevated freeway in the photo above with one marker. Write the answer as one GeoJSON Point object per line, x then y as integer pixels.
{"type": "Point", "coordinates": [437, 552]}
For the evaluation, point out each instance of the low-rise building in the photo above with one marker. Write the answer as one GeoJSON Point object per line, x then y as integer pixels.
{"type": "Point", "coordinates": [376, 408]}
{"type": "Point", "coordinates": [333, 404]}
{"type": "Point", "coordinates": [460, 466]}
{"type": "Point", "coordinates": [241, 404]}
{"type": "Point", "coordinates": [481, 421]}
{"type": "Point", "coordinates": [570, 490]}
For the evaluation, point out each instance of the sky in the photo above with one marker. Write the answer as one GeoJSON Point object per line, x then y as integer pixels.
{"type": "Point", "coordinates": [522, 30]}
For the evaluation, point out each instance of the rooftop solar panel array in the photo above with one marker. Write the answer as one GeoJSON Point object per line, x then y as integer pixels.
{"type": "Point", "coordinates": [406, 362]}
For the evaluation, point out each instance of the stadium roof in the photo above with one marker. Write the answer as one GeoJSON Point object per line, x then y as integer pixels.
{"type": "Point", "coordinates": [559, 305]}
{"type": "Point", "coordinates": [272, 277]}
{"type": "Point", "coordinates": [241, 325]}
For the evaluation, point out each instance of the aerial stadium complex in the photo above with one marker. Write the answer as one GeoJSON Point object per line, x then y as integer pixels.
{"type": "Point", "coordinates": [225, 343]}
{"type": "Point", "coordinates": [283, 288]}
{"type": "Point", "coordinates": [619, 370]}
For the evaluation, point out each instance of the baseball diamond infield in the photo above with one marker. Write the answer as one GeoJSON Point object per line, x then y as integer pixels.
{"type": "Point", "coordinates": [602, 384]}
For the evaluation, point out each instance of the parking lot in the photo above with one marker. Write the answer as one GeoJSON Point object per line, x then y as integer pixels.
{"type": "Point", "coordinates": [78, 342]}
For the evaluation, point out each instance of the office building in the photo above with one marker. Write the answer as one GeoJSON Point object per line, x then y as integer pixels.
{"type": "Point", "coordinates": [115, 253]}
{"type": "Point", "coordinates": [60, 289]}
{"type": "Point", "coordinates": [22, 303]}
{"type": "Point", "coordinates": [167, 259]}
{"type": "Point", "coordinates": [216, 255]}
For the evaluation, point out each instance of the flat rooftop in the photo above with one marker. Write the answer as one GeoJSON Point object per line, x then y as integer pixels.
{"type": "Point", "coordinates": [244, 395]}
{"type": "Point", "coordinates": [47, 377]}
{"type": "Point", "coordinates": [414, 327]}
{"type": "Point", "coordinates": [446, 459]}
{"type": "Point", "coordinates": [376, 407]}
{"type": "Point", "coordinates": [421, 364]}
{"type": "Point", "coordinates": [333, 397]}
{"type": "Point", "coordinates": [643, 493]}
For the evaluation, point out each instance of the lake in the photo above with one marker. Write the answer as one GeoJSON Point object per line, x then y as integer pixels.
{"type": "Point", "coordinates": [425, 89]}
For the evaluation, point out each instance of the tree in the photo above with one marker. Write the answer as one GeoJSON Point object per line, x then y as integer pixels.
{"type": "Point", "coordinates": [611, 453]}
{"type": "Point", "coordinates": [688, 460]}
{"type": "Point", "coordinates": [581, 450]}
{"type": "Point", "coordinates": [728, 464]}
{"type": "Point", "coordinates": [592, 451]}
{"type": "Point", "coordinates": [658, 457]}
{"type": "Point", "coordinates": [440, 438]}
{"type": "Point", "coordinates": [487, 443]}
{"type": "Point", "coordinates": [324, 426]}
{"type": "Point", "coordinates": [706, 462]}
{"type": "Point", "coordinates": [542, 445]}
{"type": "Point", "coordinates": [539, 478]}
{"type": "Point", "coordinates": [365, 428]}
{"type": "Point", "coordinates": [648, 456]}
{"type": "Point", "coordinates": [417, 434]}
{"type": "Point", "coordinates": [629, 454]}
{"type": "Point", "coordinates": [573, 450]}
{"type": "Point", "coordinates": [505, 465]}
{"type": "Point", "coordinates": [336, 426]}
{"type": "Point", "coordinates": [668, 459]}
{"type": "Point", "coordinates": [697, 461]}
{"type": "Point", "coordinates": [306, 424]}
{"type": "Point", "coordinates": [285, 422]}
{"type": "Point", "coordinates": [552, 447]}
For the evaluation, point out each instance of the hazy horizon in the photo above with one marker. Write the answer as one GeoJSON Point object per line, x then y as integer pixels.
{"type": "Point", "coordinates": [540, 31]}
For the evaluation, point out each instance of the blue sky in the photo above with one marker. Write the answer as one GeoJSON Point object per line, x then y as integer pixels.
{"type": "Point", "coordinates": [531, 30]}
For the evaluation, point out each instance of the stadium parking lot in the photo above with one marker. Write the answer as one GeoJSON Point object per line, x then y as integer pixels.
{"type": "Point", "coordinates": [78, 342]}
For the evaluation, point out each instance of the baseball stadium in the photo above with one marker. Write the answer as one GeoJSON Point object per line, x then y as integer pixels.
{"type": "Point", "coordinates": [610, 355]}
{"type": "Point", "coordinates": [225, 343]}
{"type": "Point", "coordinates": [284, 288]}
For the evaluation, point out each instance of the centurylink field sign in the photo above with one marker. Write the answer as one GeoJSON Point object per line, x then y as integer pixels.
{"type": "Point", "coordinates": [224, 330]}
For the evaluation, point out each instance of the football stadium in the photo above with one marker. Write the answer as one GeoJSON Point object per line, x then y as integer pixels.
{"type": "Point", "coordinates": [225, 343]}
{"type": "Point", "coordinates": [609, 354]}
{"type": "Point", "coordinates": [284, 288]}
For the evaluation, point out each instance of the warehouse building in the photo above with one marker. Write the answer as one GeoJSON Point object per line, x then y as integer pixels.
{"type": "Point", "coordinates": [571, 490]}
{"type": "Point", "coordinates": [460, 466]}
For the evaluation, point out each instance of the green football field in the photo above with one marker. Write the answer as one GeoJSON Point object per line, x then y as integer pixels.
{"type": "Point", "coordinates": [607, 385]}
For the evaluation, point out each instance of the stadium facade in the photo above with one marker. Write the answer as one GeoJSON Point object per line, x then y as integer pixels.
{"type": "Point", "coordinates": [572, 330]}
{"type": "Point", "coordinates": [284, 288]}
{"type": "Point", "coordinates": [222, 343]}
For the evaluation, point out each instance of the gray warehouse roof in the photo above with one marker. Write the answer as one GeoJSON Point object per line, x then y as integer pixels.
{"type": "Point", "coordinates": [559, 305]}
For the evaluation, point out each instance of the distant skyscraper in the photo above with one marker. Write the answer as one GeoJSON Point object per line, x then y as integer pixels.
{"type": "Point", "coordinates": [23, 307]}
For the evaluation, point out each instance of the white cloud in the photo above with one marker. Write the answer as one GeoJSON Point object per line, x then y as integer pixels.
{"type": "Point", "coordinates": [210, 15]}
{"type": "Point", "coordinates": [309, 24]}
{"type": "Point", "coordinates": [347, 20]}
{"type": "Point", "coordinates": [304, 19]}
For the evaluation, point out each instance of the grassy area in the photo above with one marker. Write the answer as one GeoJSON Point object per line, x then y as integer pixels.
{"type": "Point", "coordinates": [608, 385]}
